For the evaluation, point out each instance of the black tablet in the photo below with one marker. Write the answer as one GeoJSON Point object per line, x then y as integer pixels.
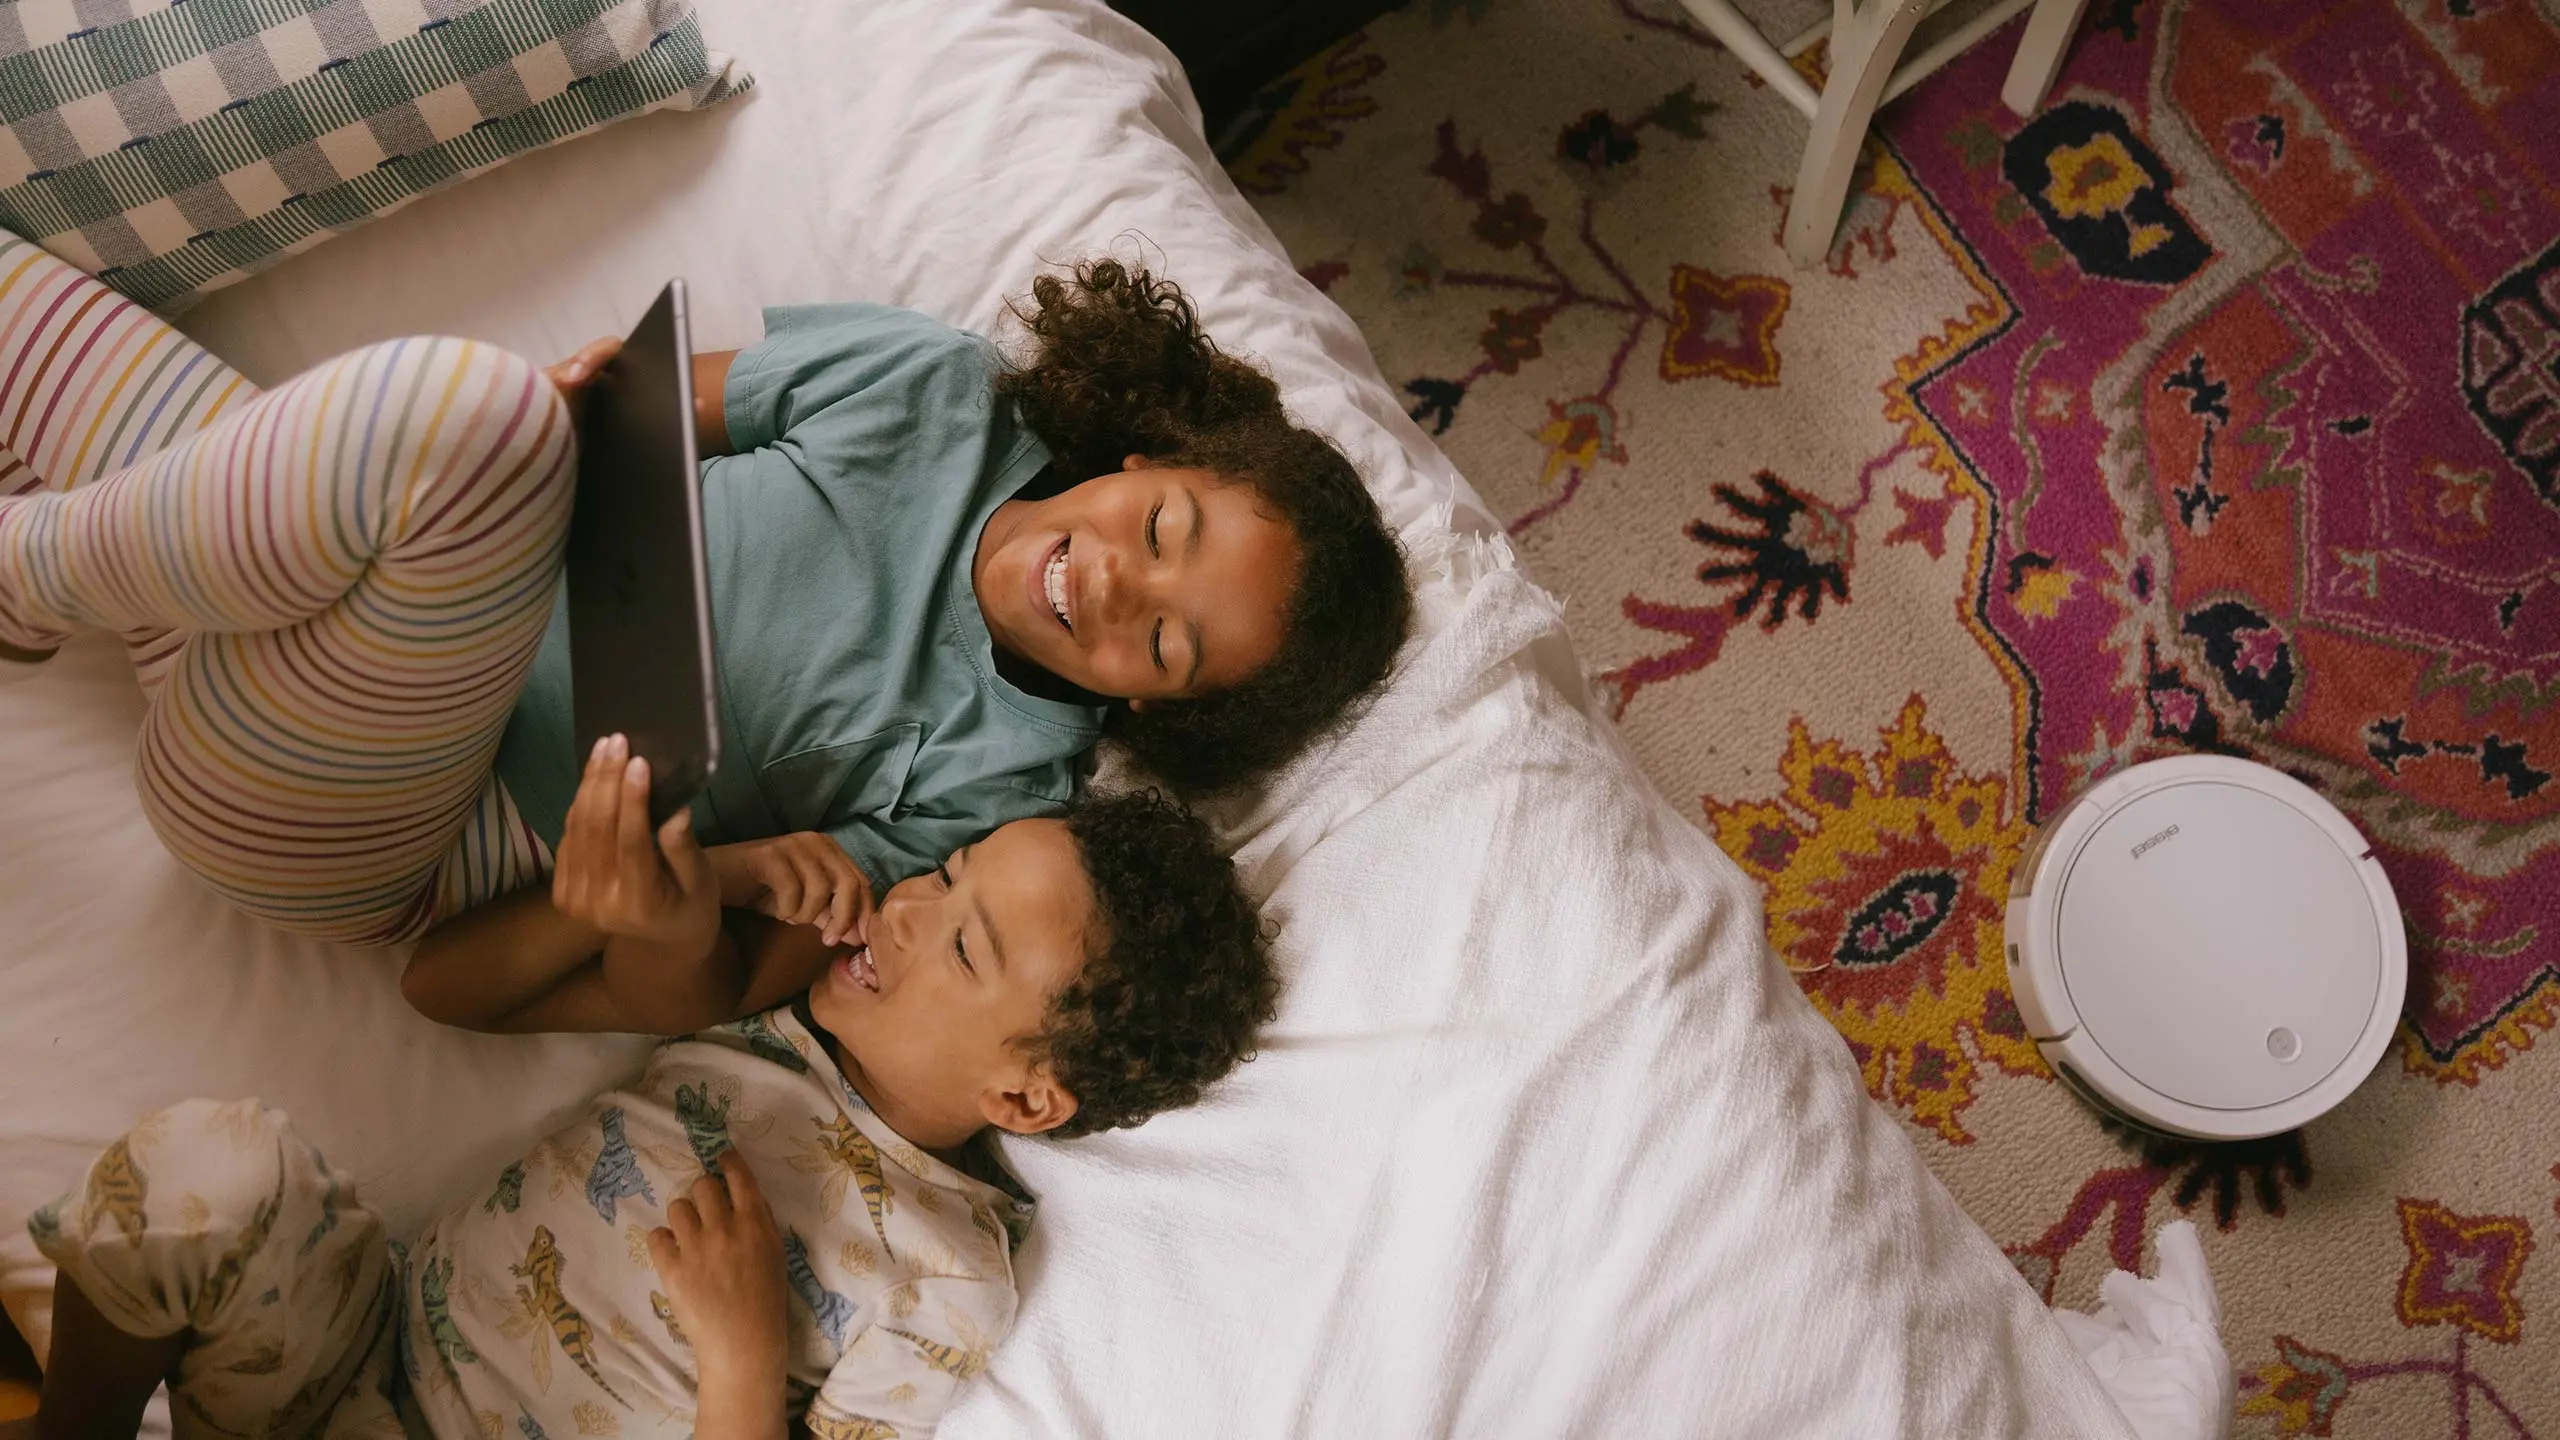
{"type": "Point", "coordinates": [639, 592]}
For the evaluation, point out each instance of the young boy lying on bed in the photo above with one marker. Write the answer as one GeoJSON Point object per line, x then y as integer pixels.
{"type": "Point", "coordinates": [789, 1225]}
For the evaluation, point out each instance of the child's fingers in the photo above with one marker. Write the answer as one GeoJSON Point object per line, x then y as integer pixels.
{"type": "Point", "coordinates": [780, 879]}
{"type": "Point", "coordinates": [844, 891]}
{"type": "Point", "coordinates": [797, 888]}
{"type": "Point", "coordinates": [745, 1190]}
{"type": "Point", "coordinates": [573, 373]}
{"type": "Point", "coordinates": [853, 896]}
{"type": "Point", "coordinates": [684, 855]}
{"type": "Point", "coordinates": [582, 806]}
{"type": "Point", "coordinates": [664, 1252]}
{"type": "Point", "coordinates": [631, 814]}
{"type": "Point", "coordinates": [817, 887]}
{"type": "Point", "coordinates": [577, 834]}
{"type": "Point", "coordinates": [711, 1196]}
{"type": "Point", "coordinates": [600, 793]}
{"type": "Point", "coordinates": [684, 1220]}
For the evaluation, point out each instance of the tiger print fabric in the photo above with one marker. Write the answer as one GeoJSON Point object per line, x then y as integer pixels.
{"type": "Point", "coordinates": [531, 1307]}
{"type": "Point", "coordinates": [218, 1220]}
{"type": "Point", "coordinates": [331, 592]}
{"type": "Point", "coordinates": [540, 1301]}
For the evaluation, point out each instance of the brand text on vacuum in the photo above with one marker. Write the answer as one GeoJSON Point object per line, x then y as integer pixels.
{"type": "Point", "coordinates": [2154, 840]}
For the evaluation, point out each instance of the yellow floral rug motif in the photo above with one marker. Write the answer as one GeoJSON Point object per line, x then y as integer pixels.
{"type": "Point", "coordinates": [1885, 871]}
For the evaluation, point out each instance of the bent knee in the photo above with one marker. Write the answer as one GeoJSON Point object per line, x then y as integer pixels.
{"type": "Point", "coordinates": [508, 384]}
{"type": "Point", "coordinates": [199, 1167]}
{"type": "Point", "coordinates": [483, 410]}
{"type": "Point", "coordinates": [175, 1220]}
{"type": "Point", "coordinates": [241, 1120]}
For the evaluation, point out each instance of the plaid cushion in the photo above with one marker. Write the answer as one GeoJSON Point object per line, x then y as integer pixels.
{"type": "Point", "coordinates": [170, 147]}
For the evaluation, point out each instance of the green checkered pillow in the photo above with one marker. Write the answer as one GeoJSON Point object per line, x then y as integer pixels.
{"type": "Point", "coordinates": [171, 147]}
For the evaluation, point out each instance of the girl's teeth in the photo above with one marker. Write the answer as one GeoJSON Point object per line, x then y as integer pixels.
{"type": "Point", "coordinates": [1055, 584]}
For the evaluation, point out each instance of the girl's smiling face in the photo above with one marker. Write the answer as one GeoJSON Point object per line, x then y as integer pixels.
{"type": "Point", "coordinates": [1154, 583]}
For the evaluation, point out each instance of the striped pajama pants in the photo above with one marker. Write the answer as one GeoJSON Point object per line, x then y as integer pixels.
{"type": "Point", "coordinates": [331, 591]}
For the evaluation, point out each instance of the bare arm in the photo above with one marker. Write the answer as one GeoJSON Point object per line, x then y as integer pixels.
{"type": "Point", "coordinates": [778, 961]}
{"type": "Point", "coordinates": [711, 401]}
{"type": "Point", "coordinates": [518, 966]}
{"type": "Point", "coordinates": [490, 962]}
{"type": "Point", "coordinates": [629, 937]}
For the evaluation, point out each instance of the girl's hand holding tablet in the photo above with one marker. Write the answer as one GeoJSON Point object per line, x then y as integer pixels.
{"type": "Point", "coordinates": [630, 935]}
{"type": "Point", "coordinates": [611, 875]}
{"type": "Point", "coordinates": [573, 375]}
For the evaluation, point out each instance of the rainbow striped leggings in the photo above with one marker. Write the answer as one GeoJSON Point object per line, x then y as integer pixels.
{"type": "Point", "coordinates": [331, 591]}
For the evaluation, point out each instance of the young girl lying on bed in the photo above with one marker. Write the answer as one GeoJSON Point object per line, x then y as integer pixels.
{"type": "Point", "coordinates": [790, 1224]}
{"type": "Point", "coordinates": [935, 582]}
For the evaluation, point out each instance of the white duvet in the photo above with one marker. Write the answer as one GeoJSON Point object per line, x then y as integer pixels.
{"type": "Point", "coordinates": [1543, 1144]}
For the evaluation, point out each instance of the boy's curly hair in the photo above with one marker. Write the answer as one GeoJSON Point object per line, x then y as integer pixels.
{"type": "Point", "coordinates": [1183, 976]}
{"type": "Point", "coordinates": [1123, 367]}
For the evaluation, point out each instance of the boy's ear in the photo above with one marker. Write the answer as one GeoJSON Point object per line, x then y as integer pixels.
{"type": "Point", "coordinates": [1134, 462]}
{"type": "Point", "coordinates": [1033, 1104]}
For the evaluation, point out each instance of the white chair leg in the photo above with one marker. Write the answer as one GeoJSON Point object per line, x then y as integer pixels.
{"type": "Point", "coordinates": [2040, 53]}
{"type": "Point", "coordinates": [1864, 47]}
{"type": "Point", "coordinates": [1736, 33]}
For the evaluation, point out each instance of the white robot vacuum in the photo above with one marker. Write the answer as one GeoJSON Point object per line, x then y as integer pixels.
{"type": "Point", "coordinates": [2206, 948]}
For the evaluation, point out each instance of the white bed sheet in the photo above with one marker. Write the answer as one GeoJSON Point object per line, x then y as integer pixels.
{"type": "Point", "coordinates": [1543, 1143]}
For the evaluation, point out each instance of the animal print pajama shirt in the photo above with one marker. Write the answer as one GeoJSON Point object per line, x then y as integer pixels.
{"type": "Point", "coordinates": [533, 1310]}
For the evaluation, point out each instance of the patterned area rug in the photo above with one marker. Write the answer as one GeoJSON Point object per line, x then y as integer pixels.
{"type": "Point", "coordinates": [2217, 408]}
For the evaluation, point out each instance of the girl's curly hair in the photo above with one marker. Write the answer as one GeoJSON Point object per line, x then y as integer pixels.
{"type": "Point", "coordinates": [1183, 976]}
{"type": "Point", "coordinates": [1123, 367]}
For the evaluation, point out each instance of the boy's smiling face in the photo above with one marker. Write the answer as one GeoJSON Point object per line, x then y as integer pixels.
{"type": "Point", "coordinates": [956, 970]}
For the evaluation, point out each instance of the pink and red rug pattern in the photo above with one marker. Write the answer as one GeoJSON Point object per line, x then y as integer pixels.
{"type": "Point", "coordinates": [2215, 408]}
{"type": "Point", "coordinates": [2328, 530]}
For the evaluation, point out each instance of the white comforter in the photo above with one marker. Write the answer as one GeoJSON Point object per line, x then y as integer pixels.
{"type": "Point", "coordinates": [1543, 1143]}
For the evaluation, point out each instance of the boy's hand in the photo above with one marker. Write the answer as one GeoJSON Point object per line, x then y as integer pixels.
{"type": "Point", "coordinates": [721, 1257]}
{"type": "Point", "coordinates": [608, 875]}
{"type": "Point", "coordinates": [799, 879]}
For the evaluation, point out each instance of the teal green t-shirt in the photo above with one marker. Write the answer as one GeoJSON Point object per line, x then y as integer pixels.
{"type": "Point", "coordinates": [858, 691]}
